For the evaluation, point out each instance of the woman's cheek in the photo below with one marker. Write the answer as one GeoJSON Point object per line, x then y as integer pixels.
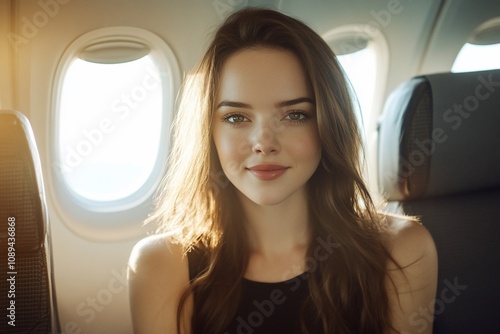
{"type": "Point", "coordinates": [304, 145]}
{"type": "Point", "coordinates": [232, 150]}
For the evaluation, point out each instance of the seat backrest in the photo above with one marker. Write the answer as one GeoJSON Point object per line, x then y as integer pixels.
{"type": "Point", "coordinates": [439, 159]}
{"type": "Point", "coordinates": [26, 284]}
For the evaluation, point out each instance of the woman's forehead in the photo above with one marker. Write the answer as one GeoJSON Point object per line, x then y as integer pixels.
{"type": "Point", "coordinates": [262, 73]}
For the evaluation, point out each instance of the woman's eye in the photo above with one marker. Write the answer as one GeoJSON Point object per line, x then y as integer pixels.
{"type": "Point", "coordinates": [296, 116]}
{"type": "Point", "coordinates": [235, 118]}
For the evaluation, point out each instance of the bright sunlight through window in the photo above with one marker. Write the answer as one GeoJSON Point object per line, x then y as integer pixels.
{"type": "Point", "coordinates": [474, 57]}
{"type": "Point", "coordinates": [361, 67]}
{"type": "Point", "coordinates": [109, 127]}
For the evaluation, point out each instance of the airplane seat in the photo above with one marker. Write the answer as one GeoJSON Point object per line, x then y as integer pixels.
{"type": "Point", "coordinates": [27, 291]}
{"type": "Point", "coordinates": [439, 160]}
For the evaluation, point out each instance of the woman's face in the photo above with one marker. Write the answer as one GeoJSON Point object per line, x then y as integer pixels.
{"type": "Point", "coordinates": [264, 125]}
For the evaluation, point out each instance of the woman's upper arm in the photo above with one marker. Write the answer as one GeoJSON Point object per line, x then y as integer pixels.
{"type": "Point", "coordinates": [158, 275]}
{"type": "Point", "coordinates": [412, 290]}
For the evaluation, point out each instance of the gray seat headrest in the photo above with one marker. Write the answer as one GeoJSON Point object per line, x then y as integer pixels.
{"type": "Point", "coordinates": [440, 134]}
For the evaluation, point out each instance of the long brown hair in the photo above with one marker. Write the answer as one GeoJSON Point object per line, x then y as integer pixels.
{"type": "Point", "coordinates": [197, 203]}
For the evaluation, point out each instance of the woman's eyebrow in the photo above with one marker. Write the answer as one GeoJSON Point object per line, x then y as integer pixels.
{"type": "Point", "coordinates": [234, 104]}
{"type": "Point", "coordinates": [282, 104]}
{"type": "Point", "coordinates": [294, 102]}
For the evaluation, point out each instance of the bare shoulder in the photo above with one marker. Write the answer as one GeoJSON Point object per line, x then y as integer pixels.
{"type": "Point", "coordinates": [156, 253]}
{"type": "Point", "coordinates": [408, 241]}
{"type": "Point", "coordinates": [411, 284]}
{"type": "Point", "coordinates": [158, 275]}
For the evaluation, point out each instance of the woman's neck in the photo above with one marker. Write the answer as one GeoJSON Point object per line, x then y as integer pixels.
{"type": "Point", "coordinates": [280, 226]}
{"type": "Point", "coordinates": [278, 236]}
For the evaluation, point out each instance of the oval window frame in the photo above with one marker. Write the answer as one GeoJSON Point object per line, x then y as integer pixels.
{"type": "Point", "coordinates": [120, 219]}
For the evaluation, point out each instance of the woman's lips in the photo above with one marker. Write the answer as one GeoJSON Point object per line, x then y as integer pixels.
{"type": "Point", "coordinates": [267, 172]}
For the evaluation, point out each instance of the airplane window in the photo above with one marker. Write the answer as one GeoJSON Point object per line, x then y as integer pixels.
{"type": "Point", "coordinates": [482, 52]}
{"type": "Point", "coordinates": [361, 67]}
{"type": "Point", "coordinates": [363, 54]}
{"type": "Point", "coordinates": [109, 127]}
{"type": "Point", "coordinates": [114, 101]}
{"type": "Point", "coordinates": [474, 57]}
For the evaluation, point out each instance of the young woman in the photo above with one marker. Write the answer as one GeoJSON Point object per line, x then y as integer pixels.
{"type": "Point", "coordinates": [266, 223]}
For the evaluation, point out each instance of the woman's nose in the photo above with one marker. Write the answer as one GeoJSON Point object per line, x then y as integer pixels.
{"type": "Point", "coordinates": [265, 140]}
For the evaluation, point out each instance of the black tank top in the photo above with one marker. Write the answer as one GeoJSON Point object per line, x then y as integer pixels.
{"type": "Point", "coordinates": [265, 308]}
